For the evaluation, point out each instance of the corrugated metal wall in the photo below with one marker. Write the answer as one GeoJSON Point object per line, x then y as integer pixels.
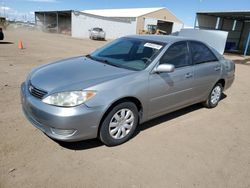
{"type": "Point", "coordinates": [81, 23]}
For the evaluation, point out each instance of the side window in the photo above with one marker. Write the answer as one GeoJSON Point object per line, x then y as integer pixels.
{"type": "Point", "coordinates": [201, 53]}
{"type": "Point", "coordinates": [177, 55]}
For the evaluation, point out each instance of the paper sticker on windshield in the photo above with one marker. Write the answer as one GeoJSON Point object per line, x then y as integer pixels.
{"type": "Point", "coordinates": [151, 45]}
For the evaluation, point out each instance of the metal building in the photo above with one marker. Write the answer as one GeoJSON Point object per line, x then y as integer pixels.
{"type": "Point", "coordinates": [115, 22]}
{"type": "Point", "coordinates": [236, 23]}
{"type": "Point", "coordinates": [2, 21]}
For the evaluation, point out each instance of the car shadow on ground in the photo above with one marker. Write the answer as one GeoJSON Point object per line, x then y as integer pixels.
{"type": "Point", "coordinates": [6, 43]}
{"type": "Point", "coordinates": [242, 62]}
{"type": "Point", "coordinates": [93, 143]}
{"type": "Point", "coordinates": [81, 145]}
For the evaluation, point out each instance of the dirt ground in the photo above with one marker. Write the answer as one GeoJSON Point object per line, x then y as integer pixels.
{"type": "Point", "coordinates": [193, 147]}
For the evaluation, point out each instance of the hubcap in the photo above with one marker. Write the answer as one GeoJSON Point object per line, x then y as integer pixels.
{"type": "Point", "coordinates": [215, 96]}
{"type": "Point", "coordinates": [121, 123]}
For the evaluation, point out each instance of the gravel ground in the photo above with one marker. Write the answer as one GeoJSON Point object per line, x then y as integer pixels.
{"type": "Point", "coordinates": [193, 147]}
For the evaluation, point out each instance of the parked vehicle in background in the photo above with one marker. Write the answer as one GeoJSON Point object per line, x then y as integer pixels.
{"type": "Point", "coordinates": [107, 93]}
{"type": "Point", "coordinates": [97, 33]}
{"type": "Point", "coordinates": [1, 34]}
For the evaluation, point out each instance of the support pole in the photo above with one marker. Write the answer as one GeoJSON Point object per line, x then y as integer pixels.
{"type": "Point", "coordinates": [35, 19]}
{"type": "Point", "coordinates": [247, 44]}
{"type": "Point", "coordinates": [195, 21]}
{"type": "Point", "coordinates": [222, 24]}
{"type": "Point", "coordinates": [57, 28]}
{"type": "Point", "coordinates": [44, 21]}
{"type": "Point", "coordinates": [241, 35]}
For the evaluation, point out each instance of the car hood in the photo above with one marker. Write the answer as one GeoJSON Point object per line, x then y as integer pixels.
{"type": "Point", "coordinates": [74, 74]}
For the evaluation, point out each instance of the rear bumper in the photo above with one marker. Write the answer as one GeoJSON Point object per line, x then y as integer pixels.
{"type": "Point", "coordinates": [229, 81]}
{"type": "Point", "coordinates": [84, 121]}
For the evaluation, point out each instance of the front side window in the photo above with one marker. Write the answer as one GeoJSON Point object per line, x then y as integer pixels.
{"type": "Point", "coordinates": [201, 53]}
{"type": "Point", "coordinates": [177, 55]}
{"type": "Point", "coordinates": [130, 53]}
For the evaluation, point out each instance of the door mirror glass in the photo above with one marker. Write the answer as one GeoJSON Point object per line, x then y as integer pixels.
{"type": "Point", "coordinates": [164, 68]}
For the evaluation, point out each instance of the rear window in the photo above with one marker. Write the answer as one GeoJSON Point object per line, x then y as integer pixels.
{"type": "Point", "coordinates": [201, 53]}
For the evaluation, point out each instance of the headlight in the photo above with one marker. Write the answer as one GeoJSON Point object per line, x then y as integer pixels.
{"type": "Point", "coordinates": [69, 98]}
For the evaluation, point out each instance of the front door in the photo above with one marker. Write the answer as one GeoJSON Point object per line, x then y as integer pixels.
{"type": "Point", "coordinates": [172, 90]}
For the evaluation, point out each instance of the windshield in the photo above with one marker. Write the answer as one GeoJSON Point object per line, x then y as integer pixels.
{"type": "Point", "coordinates": [97, 29]}
{"type": "Point", "coordinates": [129, 53]}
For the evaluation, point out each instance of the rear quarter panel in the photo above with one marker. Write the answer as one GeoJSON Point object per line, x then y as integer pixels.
{"type": "Point", "coordinates": [228, 72]}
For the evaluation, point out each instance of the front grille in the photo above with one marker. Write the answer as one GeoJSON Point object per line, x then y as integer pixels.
{"type": "Point", "coordinates": [36, 92]}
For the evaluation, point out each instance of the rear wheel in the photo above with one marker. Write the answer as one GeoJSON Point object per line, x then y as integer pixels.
{"type": "Point", "coordinates": [214, 97]}
{"type": "Point", "coordinates": [119, 124]}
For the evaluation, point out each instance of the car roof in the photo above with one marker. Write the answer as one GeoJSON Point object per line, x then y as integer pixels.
{"type": "Point", "coordinates": [169, 39]}
{"type": "Point", "coordinates": [162, 38]}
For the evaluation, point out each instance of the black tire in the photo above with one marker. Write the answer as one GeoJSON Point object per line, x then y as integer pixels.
{"type": "Point", "coordinates": [209, 103]}
{"type": "Point", "coordinates": [104, 134]}
{"type": "Point", "coordinates": [1, 36]}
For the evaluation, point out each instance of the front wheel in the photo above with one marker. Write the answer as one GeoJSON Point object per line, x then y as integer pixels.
{"type": "Point", "coordinates": [119, 124]}
{"type": "Point", "coordinates": [214, 97]}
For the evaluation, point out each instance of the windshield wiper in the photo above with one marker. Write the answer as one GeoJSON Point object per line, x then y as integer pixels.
{"type": "Point", "coordinates": [90, 57]}
{"type": "Point", "coordinates": [105, 61]}
{"type": "Point", "coordinates": [102, 60]}
{"type": "Point", "coordinates": [108, 62]}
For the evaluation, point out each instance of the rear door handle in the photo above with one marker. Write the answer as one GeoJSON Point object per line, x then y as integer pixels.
{"type": "Point", "coordinates": [189, 75]}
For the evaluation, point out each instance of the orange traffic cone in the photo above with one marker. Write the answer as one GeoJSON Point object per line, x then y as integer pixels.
{"type": "Point", "coordinates": [20, 45]}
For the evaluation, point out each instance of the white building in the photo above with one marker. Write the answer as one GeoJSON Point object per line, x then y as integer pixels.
{"type": "Point", "coordinates": [115, 22]}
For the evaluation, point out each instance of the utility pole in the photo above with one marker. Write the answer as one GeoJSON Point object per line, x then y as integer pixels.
{"type": "Point", "coordinates": [1, 6]}
{"type": "Point", "coordinates": [3, 9]}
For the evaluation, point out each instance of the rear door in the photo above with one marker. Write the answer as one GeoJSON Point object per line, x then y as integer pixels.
{"type": "Point", "coordinates": [207, 68]}
{"type": "Point", "coordinates": [172, 90]}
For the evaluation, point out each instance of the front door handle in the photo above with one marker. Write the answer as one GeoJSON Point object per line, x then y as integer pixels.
{"type": "Point", "coordinates": [189, 75]}
{"type": "Point", "coordinates": [217, 68]}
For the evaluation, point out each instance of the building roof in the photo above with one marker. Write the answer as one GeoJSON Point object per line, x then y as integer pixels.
{"type": "Point", "coordinates": [54, 12]}
{"type": "Point", "coordinates": [128, 13]}
{"type": "Point", "coordinates": [228, 11]}
{"type": "Point", "coordinates": [234, 14]}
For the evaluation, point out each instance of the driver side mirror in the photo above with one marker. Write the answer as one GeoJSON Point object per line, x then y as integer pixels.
{"type": "Point", "coordinates": [164, 68]}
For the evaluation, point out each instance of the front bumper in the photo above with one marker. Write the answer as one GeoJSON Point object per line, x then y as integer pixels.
{"type": "Point", "coordinates": [82, 119]}
{"type": "Point", "coordinates": [98, 36]}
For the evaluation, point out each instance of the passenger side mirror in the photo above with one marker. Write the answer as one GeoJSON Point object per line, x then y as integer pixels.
{"type": "Point", "coordinates": [164, 68]}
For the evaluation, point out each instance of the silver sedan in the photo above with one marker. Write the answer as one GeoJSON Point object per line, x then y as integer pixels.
{"type": "Point", "coordinates": [97, 33]}
{"type": "Point", "coordinates": [107, 93]}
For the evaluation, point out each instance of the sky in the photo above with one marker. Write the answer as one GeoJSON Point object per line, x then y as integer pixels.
{"type": "Point", "coordinates": [184, 9]}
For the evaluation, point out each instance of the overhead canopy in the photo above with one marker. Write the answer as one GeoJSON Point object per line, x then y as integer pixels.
{"type": "Point", "coordinates": [61, 12]}
{"type": "Point", "coordinates": [54, 21]}
{"type": "Point", "coordinates": [234, 15]}
{"type": "Point", "coordinates": [236, 23]}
